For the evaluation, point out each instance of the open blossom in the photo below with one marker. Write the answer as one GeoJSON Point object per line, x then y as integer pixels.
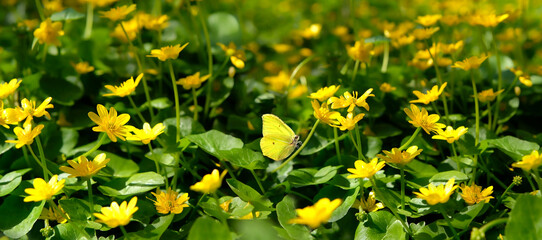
{"type": "Point", "coordinates": [7, 89]}
{"type": "Point", "coordinates": [48, 32]}
{"type": "Point", "coordinates": [348, 122]}
{"type": "Point", "coordinates": [431, 95]}
{"type": "Point", "coordinates": [365, 170]}
{"type": "Point", "coordinates": [350, 101]}
{"type": "Point", "coordinates": [488, 95]}
{"type": "Point", "coordinates": [320, 212]}
{"type": "Point", "coordinates": [369, 205]}
{"type": "Point", "coordinates": [386, 87]}
{"type": "Point", "coordinates": [129, 33]}
{"type": "Point", "coordinates": [30, 110]}
{"type": "Point", "coordinates": [170, 201]}
{"type": "Point", "coordinates": [82, 167]}
{"type": "Point", "coordinates": [323, 113]}
{"type": "Point", "coordinates": [168, 52]}
{"type": "Point", "coordinates": [237, 56]}
{"type": "Point", "coordinates": [323, 94]}
{"type": "Point", "coordinates": [428, 20]}
{"type": "Point", "coordinates": [118, 13]}
{"type": "Point", "coordinates": [82, 67]}
{"type": "Point", "coordinates": [147, 134]}
{"type": "Point", "coordinates": [44, 190]}
{"type": "Point", "coordinates": [450, 135]}
{"type": "Point", "coordinates": [487, 20]}
{"type": "Point", "coordinates": [473, 62]}
{"type": "Point", "coordinates": [440, 194]}
{"type": "Point", "coordinates": [529, 162]}
{"type": "Point", "coordinates": [474, 194]}
{"type": "Point", "coordinates": [116, 215]}
{"type": "Point", "coordinates": [361, 51]}
{"type": "Point", "coordinates": [126, 88]}
{"type": "Point", "coordinates": [424, 33]}
{"type": "Point", "coordinates": [423, 119]}
{"type": "Point", "coordinates": [209, 183]}
{"type": "Point", "coordinates": [192, 81]}
{"type": "Point", "coordinates": [25, 136]}
{"type": "Point", "coordinates": [110, 123]}
{"type": "Point", "coordinates": [400, 157]}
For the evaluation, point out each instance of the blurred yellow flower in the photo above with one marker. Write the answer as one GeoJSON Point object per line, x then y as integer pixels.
{"type": "Point", "coordinates": [430, 96]}
{"type": "Point", "coordinates": [109, 123]}
{"type": "Point", "coordinates": [400, 157]}
{"type": "Point", "coordinates": [131, 28]}
{"type": "Point", "coordinates": [526, 80]}
{"type": "Point", "coordinates": [126, 88]}
{"type": "Point", "coordinates": [361, 51]}
{"type": "Point", "coordinates": [192, 81]}
{"type": "Point", "coordinates": [351, 100]}
{"type": "Point", "coordinates": [210, 182]}
{"type": "Point", "coordinates": [402, 40]}
{"type": "Point", "coordinates": [313, 31]}
{"type": "Point", "coordinates": [322, 112]}
{"type": "Point", "coordinates": [82, 67]}
{"type": "Point", "coordinates": [423, 119]}
{"type": "Point", "coordinates": [118, 13]}
{"type": "Point", "coordinates": [529, 162]}
{"type": "Point", "coordinates": [170, 201]}
{"type": "Point", "coordinates": [450, 20]}
{"type": "Point", "coordinates": [116, 215]}
{"type": "Point", "coordinates": [452, 47]}
{"type": "Point", "coordinates": [486, 20]}
{"type": "Point", "coordinates": [44, 190]}
{"type": "Point", "coordinates": [450, 135]}
{"type": "Point", "coordinates": [237, 57]}
{"type": "Point", "coordinates": [386, 87]}
{"type": "Point", "coordinates": [169, 52]}
{"type": "Point", "coordinates": [7, 89]}
{"type": "Point", "coordinates": [25, 136]}
{"type": "Point", "coordinates": [349, 122]}
{"type": "Point", "coordinates": [369, 205]}
{"type": "Point", "coordinates": [279, 82]}
{"type": "Point", "coordinates": [147, 134]}
{"type": "Point", "coordinates": [488, 95]}
{"type": "Point", "coordinates": [314, 216]}
{"type": "Point", "coordinates": [474, 194]}
{"type": "Point", "coordinates": [428, 20]}
{"type": "Point", "coordinates": [157, 23]}
{"type": "Point", "coordinates": [325, 93]}
{"type": "Point", "coordinates": [424, 33]}
{"type": "Point", "coordinates": [365, 170]}
{"type": "Point", "coordinates": [82, 167]}
{"type": "Point", "coordinates": [440, 194]}
{"type": "Point", "coordinates": [297, 91]}
{"type": "Point", "coordinates": [99, 3]}
{"type": "Point", "coordinates": [48, 32]}
{"type": "Point", "coordinates": [52, 6]}
{"type": "Point", "coordinates": [53, 214]}
{"type": "Point", "coordinates": [470, 63]}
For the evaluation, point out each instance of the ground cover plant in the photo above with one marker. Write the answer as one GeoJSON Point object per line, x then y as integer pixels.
{"type": "Point", "coordinates": [357, 119]}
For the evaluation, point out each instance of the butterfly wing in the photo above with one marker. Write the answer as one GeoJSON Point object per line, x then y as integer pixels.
{"type": "Point", "coordinates": [279, 140]}
{"type": "Point", "coordinates": [275, 149]}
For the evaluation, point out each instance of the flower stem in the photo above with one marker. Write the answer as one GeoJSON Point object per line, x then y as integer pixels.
{"type": "Point", "coordinates": [537, 178]}
{"type": "Point", "coordinates": [356, 66]}
{"type": "Point", "coordinates": [385, 202]}
{"type": "Point", "coordinates": [503, 194]}
{"type": "Point", "coordinates": [489, 225]}
{"type": "Point", "coordinates": [445, 215]}
{"type": "Point", "coordinates": [477, 109]}
{"type": "Point", "coordinates": [90, 198]}
{"type": "Point", "coordinates": [40, 9]}
{"type": "Point", "coordinates": [123, 231]}
{"type": "Point", "coordinates": [90, 20]}
{"type": "Point", "coordinates": [209, 61]}
{"type": "Point", "coordinates": [195, 97]}
{"type": "Point", "coordinates": [300, 148]}
{"type": "Point", "coordinates": [177, 110]}
{"type": "Point", "coordinates": [386, 58]}
{"type": "Point", "coordinates": [45, 170]}
{"type": "Point", "coordinates": [402, 168]}
{"type": "Point", "coordinates": [136, 109]}
{"type": "Point", "coordinates": [454, 151]}
{"type": "Point", "coordinates": [411, 139]}
{"type": "Point", "coordinates": [337, 149]}
{"type": "Point", "coordinates": [499, 82]}
{"type": "Point", "coordinates": [102, 138]}
{"type": "Point", "coordinates": [43, 160]}
{"type": "Point", "coordinates": [360, 149]}
{"type": "Point", "coordinates": [439, 78]}
{"type": "Point", "coordinates": [257, 180]}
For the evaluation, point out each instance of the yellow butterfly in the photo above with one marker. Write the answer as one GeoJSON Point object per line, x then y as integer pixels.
{"type": "Point", "coordinates": [278, 141]}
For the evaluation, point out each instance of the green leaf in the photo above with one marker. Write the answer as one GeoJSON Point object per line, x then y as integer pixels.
{"type": "Point", "coordinates": [286, 212]}
{"type": "Point", "coordinates": [317, 143]}
{"type": "Point", "coordinates": [215, 141]}
{"type": "Point", "coordinates": [136, 184]}
{"type": "Point", "coordinates": [158, 103]}
{"type": "Point", "coordinates": [69, 140]}
{"type": "Point", "coordinates": [10, 181]}
{"type": "Point", "coordinates": [18, 216]}
{"type": "Point", "coordinates": [420, 169]}
{"type": "Point", "coordinates": [462, 219]}
{"type": "Point", "coordinates": [428, 232]}
{"type": "Point", "coordinates": [257, 229]}
{"type": "Point", "coordinates": [384, 130]}
{"type": "Point", "coordinates": [311, 176]}
{"type": "Point", "coordinates": [71, 230]}
{"type": "Point", "coordinates": [248, 194]}
{"type": "Point", "coordinates": [374, 146]}
{"type": "Point", "coordinates": [525, 220]}
{"type": "Point", "coordinates": [206, 228]}
{"type": "Point", "coordinates": [122, 167]}
{"type": "Point", "coordinates": [513, 147]}
{"type": "Point", "coordinates": [72, 89]}
{"type": "Point", "coordinates": [225, 27]}
{"type": "Point", "coordinates": [221, 91]}
{"type": "Point", "coordinates": [77, 209]}
{"type": "Point", "coordinates": [162, 157]}
{"type": "Point", "coordinates": [146, 179]}
{"type": "Point", "coordinates": [348, 201]}
{"type": "Point", "coordinates": [445, 176]}
{"type": "Point", "coordinates": [245, 158]}
{"type": "Point", "coordinates": [381, 225]}
{"type": "Point", "coordinates": [67, 14]}
{"type": "Point", "coordinates": [154, 230]}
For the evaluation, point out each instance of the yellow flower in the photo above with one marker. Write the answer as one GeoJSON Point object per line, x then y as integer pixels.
{"type": "Point", "coordinates": [82, 67]}
{"type": "Point", "coordinates": [517, 71]}
{"type": "Point", "coordinates": [237, 57]}
{"type": "Point", "coordinates": [428, 20]}
{"type": "Point", "coordinates": [118, 13]}
{"type": "Point", "coordinates": [369, 205]}
{"type": "Point", "coordinates": [53, 214]}
{"type": "Point", "coordinates": [351, 100]}
{"type": "Point", "coordinates": [314, 216]}
{"type": "Point", "coordinates": [109, 123]}
{"type": "Point", "coordinates": [30, 110]}
{"type": "Point", "coordinates": [421, 64]}
{"type": "Point", "coordinates": [424, 33]}
{"type": "Point", "coordinates": [48, 32]}
{"type": "Point", "coordinates": [82, 167]}
{"type": "Point", "coordinates": [25, 136]}
{"type": "Point", "coordinates": [131, 27]}
{"type": "Point", "coordinates": [526, 80]}
{"type": "Point", "coordinates": [52, 6]}
{"type": "Point", "coordinates": [116, 215]}
{"type": "Point", "coordinates": [297, 91]}
{"type": "Point", "coordinates": [470, 63]}
{"type": "Point", "coordinates": [440, 194]}
{"type": "Point", "coordinates": [450, 20]}
{"type": "Point", "coordinates": [169, 52]}
{"type": "Point", "coordinates": [365, 170]}
{"type": "Point", "coordinates": [528, 162]}
{"type": "Point", "coordinates": [313, 31]}
{"type": "Point", "coordinates": [147, 134]}
{"type": "Point", "coordinates": [226, 207]}
{"type": "Point", "coordinates": [170, 201]}
{"type": "Point", "coordinates": [322, 112]}
{"type": "Point", "coordinates": [361, 51]}
{"type": "Point", "coordinates": [488, 95]}
{"type": "Point", "coordinates": [423, 119]}
{"type": "Point", "coordinates": [99, 3]}
{"type": "Point", "coordinates": [157, 23]}
{"type": "Point", "coordinates": [386, 87]}
{"type": "Point", "coordinates": [400, 157]}
{"type": "Point", "coordinates": [349, 122]}
{"type": "Point", "coordinates": [192, 81]}
{"type": "Point", "coordinates": [12, 115]}
{"type": "Point", "coordinates": [402, 41]}
{"type": "Point", "coordinates": [44, 190]}
{"type": "Point", "coordinates": [210, 182]}
{"type": "Point", "coordinates": [282, 47]}
{"type": "Point", "coordinates": [450, 135]}
{"type": "Point", "coordinates": [324, 93]}
{"type": "Point", "coordinates": [474, 194]}
{"type": "Point", "coordinates": [7, 89]}
{"type": "Point", "coordinates": [430, 96]}
{"type": "Point", "coordinates": [451, 48]}
{"type": "Point", "coordinates": [487, 20]}
{"type": "Point", "coordinates": [279, 82]}
{"type": "Point", "coordinates": [126, 88]}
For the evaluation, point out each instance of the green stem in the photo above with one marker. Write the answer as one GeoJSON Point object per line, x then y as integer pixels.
{"type": "Point", "coordinates": [499, 82]}
{"type": "Point", "coordinates": [102, 138]}
{"type": "Point", "coordinates": [477, 109]}
{"type": "Point", "coordinates": [210, 86]}
{"type": "Point", "coordinates": [537, 178]}
{"type": "Point", "coordinates": [300, 148]}
{"type": "Point", "coordinates": [385, 202]}
{"type": "Point", "coordinates": [445, 215]}
{"type": "Point", "coordinates": [257, 180]}
{"type": "Point", "coordinates": [45, 170]}
{"type": "Point", "coordinates": [123, 230]}
{"type": "Point", "coordinates": [360, 149]}
{"type": "Point", "coordinates": [136, 109]}
{"type": "Point", "coordinates": [90, 20]}
{"type": "Point", "coordinates": [43, 160]}
{"type": "Point", "coordinates": [454, 151]}
{"type": "Point", "coordinates": [402, 168]}
{"type": "Point", "coordinates": [407, 143]}
{"type": "Point", "coordinates": [294, 73]}
{"type": "Point", "coordinates": [353, 141]}
{"type": "Point", "coordinates": [489, 225]}
{"type": "Point", "coordinates": [502, 195]}
{"type": "Point", "coordinates": [356, 66]}
{"type": "Point", "coordinates": [177, 110]}
{"type": "Point", "coordinates": [40, 10]}
{"type": "Point", "coordinates": [195, 97]}
{"type": "Point", "coordinates": [385, 61]}
{"type": "Point", "coordinates": [209, 62]}
{"type": "Point", "coordinates": [335, 135]}
{"type": "Point", "coordinates": [489, 115]}
{"type": "Point", "coordinates": [90, 198]}
{"type": "Point", "coordinates": [439, 78]}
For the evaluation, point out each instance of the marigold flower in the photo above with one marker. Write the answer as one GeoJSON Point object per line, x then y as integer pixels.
{"type": "Point", "coordinates": [322, 112]}
{"type": "Point", "coordinates": [423, 119]}
{"type": "Point", "coordinates": [192, 81]}
{"type": "Point", "coordinates": [351, 100]}
{"type": "Point", "coordinates": [48, 32]}
{"type": "Point", "coordinates": [210, 182]}
{"type": "Point", "coordinates": [486, 20]}
{"type": "Point", "coordinates": [430, 96]}
{"type": "Point", "coordinates": [488, 95]}
{"type": "Point", "coordinates": [526, 80]}
{"type": "Point", "coordinates": [325, 93]}
{"type": "Point", "coordinates": [529, 162]}
{"type": "Point", "coordinates": [118, 13]}
{"type": "Point", "coordinates": [349, 122]}
{"type": "Point", "coordinates": [386, 87]}
{"type": "Point", "coordinates": [82, 67]}
{"type": "Point", "coordinates": [361, 51]}
{"type": "Point", "coordinates": [400, 157]}
{"type": "Point", "coordinates": [30, 110]}
{"type": "Point", "coordinates": [7, 89]}
{"type": "Point", "coordinates": [147, 134]}
{"type": "Point", "coordinates": [168, 52]}
{"type": "Point", "coordinates": [440, 194]}
{"type": "Point", "coordinates": [126, 88]}
{"type": "Point", "coordinates": [450, 135]}
{"type": "Point", "coordinates": [53, 214]}
{"type": "Point", "coordinates": [428, 20]}
{"type": "Point", "coordinates": [470, 63]}
{"type": "Point", "coordinates": [365, 170]}
{"type": "Point", "coordinates": [109, 123]}
{"type": "Point", "coordinates": [279, 82]}
{"type": "Point", "coordinates": [170, 201]}
{"type": "Point", "coordinates": [25, 136]}
{"type": "Point", "coordinates": [43, 190]}
{"type": "Point", "coordinates": [313, 216]}
{"type": "Point", "coordinates": [116, 215]}
{"type": "Point", "coordinates": [369, 205]}
{"type": "Point", "coordinates": [424, 33]}
{"type": "Point", "coordinates": [82, 167]}
{"type": "Point", "coordinates": [226, 207]}
{"type": "Point", "coordinates": [474, 194]}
